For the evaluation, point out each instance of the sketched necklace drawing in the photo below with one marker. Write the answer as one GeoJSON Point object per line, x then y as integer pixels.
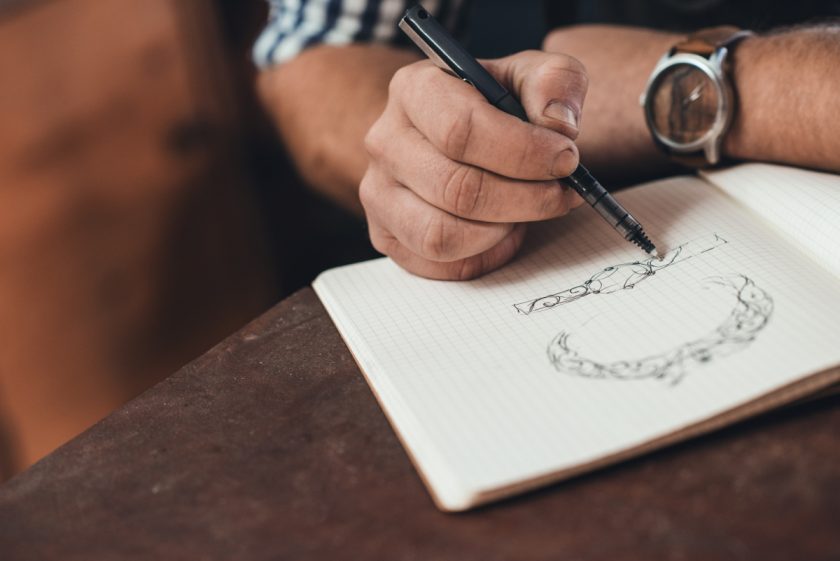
{"type": "Point", "coordinates": [750, 314]}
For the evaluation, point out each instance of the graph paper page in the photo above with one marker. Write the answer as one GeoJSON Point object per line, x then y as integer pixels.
{"type": "Point", "coordinates": [803, 205]}
{"type": "Point", "coordinates": [572, 353]}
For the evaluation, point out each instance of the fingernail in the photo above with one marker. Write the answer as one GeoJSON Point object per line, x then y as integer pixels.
{"type": "Point", "coordinates": [559, 111]}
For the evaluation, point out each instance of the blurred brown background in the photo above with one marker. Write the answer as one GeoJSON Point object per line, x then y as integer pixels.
{"type": "Point", "coordinates": [145, 205]}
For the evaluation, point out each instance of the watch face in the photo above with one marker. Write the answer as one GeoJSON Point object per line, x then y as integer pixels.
{"type": "Point", "coordinates": [684, 106]}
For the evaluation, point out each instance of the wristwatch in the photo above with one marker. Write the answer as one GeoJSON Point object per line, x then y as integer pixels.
{"type": "Point", "coordinates": [689, 101]}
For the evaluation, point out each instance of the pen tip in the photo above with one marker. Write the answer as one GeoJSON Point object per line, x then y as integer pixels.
{"type": "Point", "coordinates": [640, 239]}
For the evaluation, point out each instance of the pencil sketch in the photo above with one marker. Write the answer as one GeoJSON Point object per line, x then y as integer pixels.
{"type": "Point", "coordinates": [623, 276]}
{"type": "Point", "coordinates": [751, 313]}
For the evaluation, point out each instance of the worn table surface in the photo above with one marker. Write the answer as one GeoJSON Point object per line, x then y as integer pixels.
{"type": "Point", "coordinates": [271, 446]}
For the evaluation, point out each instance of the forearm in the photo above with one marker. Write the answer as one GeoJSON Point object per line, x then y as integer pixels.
{"type": "Point", "coordinates": [323, 102]}
{"type": "Point", "coordinates": [787, 86]}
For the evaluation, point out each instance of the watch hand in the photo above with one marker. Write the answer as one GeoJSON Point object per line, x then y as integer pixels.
{"type": "Point", "coordinates": [694, 95]}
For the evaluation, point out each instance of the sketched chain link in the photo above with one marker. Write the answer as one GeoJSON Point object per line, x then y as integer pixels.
{"type": "Point", "coordinates": [752, 311]}
{"type": "Point", "coordinates": [622, 277]}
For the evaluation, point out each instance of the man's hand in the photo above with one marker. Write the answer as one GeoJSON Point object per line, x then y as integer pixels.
{"type": "Point", "coordinates": [452, 179]}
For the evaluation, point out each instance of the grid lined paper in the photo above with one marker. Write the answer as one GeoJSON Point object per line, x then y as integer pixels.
{"type": "Point", "coordinates": [468, 384]}
{"type": "Point", "coordinates": [802, 205]}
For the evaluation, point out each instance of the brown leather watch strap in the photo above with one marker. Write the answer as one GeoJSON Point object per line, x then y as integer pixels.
{"type": "Point", "coordinates": [706, 41]}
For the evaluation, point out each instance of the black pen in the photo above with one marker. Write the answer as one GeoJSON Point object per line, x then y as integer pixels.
{"type": "Point", "coordinates": [449, 55]}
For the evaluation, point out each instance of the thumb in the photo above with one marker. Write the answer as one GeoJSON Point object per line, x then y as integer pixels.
{"type": "Point", "coordinates": [550, 86]}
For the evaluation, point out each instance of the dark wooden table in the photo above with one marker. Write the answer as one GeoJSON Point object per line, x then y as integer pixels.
{"type": "Point", "coordinates": [271, 446]}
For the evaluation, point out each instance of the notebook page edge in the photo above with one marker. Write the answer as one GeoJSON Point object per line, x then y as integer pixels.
{"type": "Point", "coordinates": [790, 394]}
{"type": "Point", "coordinates": [447, 493]}
{"type": "Point", "coordinates": [721, 180]}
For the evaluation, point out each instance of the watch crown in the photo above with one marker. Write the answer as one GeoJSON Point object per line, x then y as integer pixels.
{"type": "Point", "coordinates": [642, 97]}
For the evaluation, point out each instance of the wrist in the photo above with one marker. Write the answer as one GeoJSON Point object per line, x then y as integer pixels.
{"type": "Point", "coordinates": [690, 102]}
{"type": "Point", "coordinates": [744, 139]}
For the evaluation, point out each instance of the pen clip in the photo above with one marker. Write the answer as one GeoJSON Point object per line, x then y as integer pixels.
{"type": "Point", "coordinates": [423, 46]}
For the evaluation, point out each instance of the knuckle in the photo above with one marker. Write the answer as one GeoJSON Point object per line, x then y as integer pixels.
{"type": "Point", "coordinates": [572, 65]}
{"type": "Point", "coordinates": [456, 134]}
{"type": "Point", "coordinates": [441, 239]}
{"type": "Point", "coordinates": [406, 79]}
{"type": "Point", "coordinates": [381, 243]}
{"type": "Point", "coordinates": [563, 72]}
{"type": "Point", "coordinates": [382, 240]}
{"type": "Point", "coordinates": [579, 79]}
{"type": "Point", "coordinates": [366, 195]}
{"type": "Point", "coordinates": [464, 191]}
{"type": "Point", "coordinates": [374, 140]}
{"type": "Point", "coordinates": [399, 80]}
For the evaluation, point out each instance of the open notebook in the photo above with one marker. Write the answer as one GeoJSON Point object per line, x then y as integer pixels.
{"type": "Point", "coordinates": [582, 352]}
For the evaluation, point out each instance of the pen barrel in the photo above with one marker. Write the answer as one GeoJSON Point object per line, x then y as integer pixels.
{"type": "Point", "coordinates": [509, 105]}
{"type": "Point", "coordinates": [600, 199]}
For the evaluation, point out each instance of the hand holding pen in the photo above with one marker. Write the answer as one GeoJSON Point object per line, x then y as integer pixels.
{"type": "Point", "coordinates": [452, 180]}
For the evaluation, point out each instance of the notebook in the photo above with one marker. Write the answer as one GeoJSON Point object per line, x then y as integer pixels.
{"type": "Point", "coordinates": [583, 351]}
